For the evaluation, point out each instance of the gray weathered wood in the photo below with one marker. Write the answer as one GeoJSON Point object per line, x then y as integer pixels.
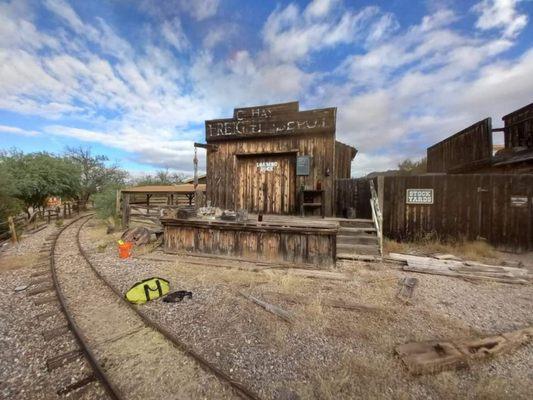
{"type": "Point", "coordinates": [278, 311]}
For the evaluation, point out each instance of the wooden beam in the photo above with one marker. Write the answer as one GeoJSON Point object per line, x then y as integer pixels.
{"type": "Point", "coordinates": [207, 146]}
{"type": "Point", "coordinates": [125, 210]}
{"type": "Point", "coordinates": [285, 315]}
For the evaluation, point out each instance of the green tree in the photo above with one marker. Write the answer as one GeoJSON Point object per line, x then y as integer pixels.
{"type": "Point", "coordinates": [9, 204]}
{"type": "Point", "coordinates": [410, 167]}
{"type": "Point", "coordinates": [37, 176]}
{"type": "Point", "coordinates": [161, 177]}
{"type": "Point", "coordinates": [105, 202]}
{"type": "Point", "coordinates": [95, 175]}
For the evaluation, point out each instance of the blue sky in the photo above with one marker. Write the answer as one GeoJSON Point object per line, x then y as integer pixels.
{"type": "Point", "coordinates": [136, 79]}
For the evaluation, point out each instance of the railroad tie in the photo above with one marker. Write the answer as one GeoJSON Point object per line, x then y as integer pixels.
{"type": "Point", "coordinates": [40, 290]}
{"type": "Point", "coordinates": [45, 300]}
{"type": "Point", "coordinates": [55, 332]}
{"type": "Point", "coordinates": [46, 315]}
{"type": "Point", "coordinates": [43, 279]}
{"type": "Point", "coordinates": [62, 359]}
{"type": "Point", "coordinates": [40, 273]}
{"type": "Point", "coordinates": [76, 385]}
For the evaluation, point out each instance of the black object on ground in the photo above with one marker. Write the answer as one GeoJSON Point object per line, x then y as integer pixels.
{"type": "Point", "coordinates": [176, 297]}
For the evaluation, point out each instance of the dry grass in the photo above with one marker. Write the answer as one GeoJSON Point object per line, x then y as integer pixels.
{"type": "Point", "coordinates": [468, 250]}
{"type": "Point", "coordinates": [19, 261]}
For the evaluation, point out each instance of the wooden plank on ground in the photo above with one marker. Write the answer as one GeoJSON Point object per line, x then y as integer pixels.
{"type": "Point", "coordinates": [459, 269]}
{"type": "Point", "coordinates": [435, 356]}
{"type": "Point", "coordinates": [278, 311]}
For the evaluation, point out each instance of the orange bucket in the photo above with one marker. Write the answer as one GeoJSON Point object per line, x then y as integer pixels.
{"type": "Point", "coordinates": [124, 249]}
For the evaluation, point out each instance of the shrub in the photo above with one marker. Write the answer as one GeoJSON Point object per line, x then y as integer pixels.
{"type": "Point", "coordinates": [105, 203]}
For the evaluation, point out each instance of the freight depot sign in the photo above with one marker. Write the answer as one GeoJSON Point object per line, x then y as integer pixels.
{"type": "Point", "coordinates": [419, 196]}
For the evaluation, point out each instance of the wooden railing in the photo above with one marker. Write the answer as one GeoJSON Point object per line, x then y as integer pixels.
{"type": "Point", "coordinates": [377, 216]}
{"type": "Point", "coordinates": [22, 222]}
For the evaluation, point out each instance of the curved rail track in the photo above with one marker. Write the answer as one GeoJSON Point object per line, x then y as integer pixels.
{"type": "Point", "coordinates": [113, 387]}
{"type": "Point", "coordinates": [99, 372]}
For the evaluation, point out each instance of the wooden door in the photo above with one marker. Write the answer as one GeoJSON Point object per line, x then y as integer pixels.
{"type": "Point", "coordinates": [266, 184]}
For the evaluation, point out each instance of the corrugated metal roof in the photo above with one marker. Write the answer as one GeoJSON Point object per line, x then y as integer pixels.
{"type": "Point", "coordinates": [186, 188]}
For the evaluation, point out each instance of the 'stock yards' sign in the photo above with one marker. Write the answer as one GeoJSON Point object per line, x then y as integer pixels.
{"type": "Point", "coordinates": [419, 196]}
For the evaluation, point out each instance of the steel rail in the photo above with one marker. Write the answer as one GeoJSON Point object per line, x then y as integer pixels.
{"type": "Point", "coordinates": [110, 388]}
{"type": "Point", "coordinates": [239, 388]}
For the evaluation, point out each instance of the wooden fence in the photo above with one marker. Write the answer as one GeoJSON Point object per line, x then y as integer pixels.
{"type": "Point", "coordinates": [495, 207]}
{"type": "Point", "coordinates": [15, 225]}
{"type": "Point", "coordinates": [468, 149]}
{"type": "Point", "coordinates": [352, 196]}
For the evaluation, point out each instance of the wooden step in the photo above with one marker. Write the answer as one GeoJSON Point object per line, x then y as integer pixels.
{"type": "Point", "coordinates": [357, 249]}
{"type": "Point", "coordinates": [359, 239]}
{"type": "Point", "coordinates": [355, 231]}
{"type": "Point", "coordinates": [356, 223]}
{"type": "Point", "coordinates": [358, 257]}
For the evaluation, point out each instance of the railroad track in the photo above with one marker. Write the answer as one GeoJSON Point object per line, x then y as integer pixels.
{"type": "Point", "coordinates": [131, 355]}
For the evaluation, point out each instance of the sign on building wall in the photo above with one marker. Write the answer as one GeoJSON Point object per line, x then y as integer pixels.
{"type": "Point", "coordinates": [266, 166]}
{"type": "Point", "coordinates": [303, 165]}
{"type": "Point", "coordinates": [274, 120]}
{"type": "Point", "coordinates": [519, 201]}
{"type": "Point", "coordinates": [419, 196]}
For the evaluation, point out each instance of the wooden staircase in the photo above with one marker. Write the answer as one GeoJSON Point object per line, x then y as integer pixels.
{"type": "Point", "coordinates": [357, 239]}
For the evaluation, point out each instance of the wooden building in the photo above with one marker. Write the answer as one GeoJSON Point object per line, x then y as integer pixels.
{"type": "Point", "coordinates": [276, 159]}
{"type": "Point", "coordinates": [471, 150]}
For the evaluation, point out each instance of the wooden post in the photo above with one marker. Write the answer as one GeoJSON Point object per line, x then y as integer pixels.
{"type": "Point", "coordinates": [69, 209]}
{"type": "Point", "coordinates": [12, 230]}
{"type": "Point", "coordinates": [381, 193]}
{"type": "Point", "coordinates": [125, 211]}
{"type": "Point", "coordinates": [49, 216]}
{"type": "Point", "coordinates": [64, 210]}
{"type": "Point", "coordinates": [117, 202]}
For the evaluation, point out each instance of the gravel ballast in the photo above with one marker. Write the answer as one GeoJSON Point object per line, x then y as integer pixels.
{"type": "Point", "coordinates": [327, 352]}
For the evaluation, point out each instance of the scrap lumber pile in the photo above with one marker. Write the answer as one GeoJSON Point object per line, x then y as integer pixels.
{"type": "Point", "coordinates": [463, 269]}
{"type": "Point", "coordinates": [436, 356]}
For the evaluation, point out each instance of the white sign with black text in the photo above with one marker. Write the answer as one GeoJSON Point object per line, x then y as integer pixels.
{"type": "Point", "coordinates": [419, 196]}
{"type": "Point", "coordinates": [267, 165]}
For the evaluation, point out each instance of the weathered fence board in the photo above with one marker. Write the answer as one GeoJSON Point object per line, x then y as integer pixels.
{"type": "Point", "coordinates": [353, 194]}
{"type": "Point", "coordinates": [467, 149]}
{"type": "Point", "coordinates": [519, 128]}
{"type": "Point", "coordinates": [495, 207]}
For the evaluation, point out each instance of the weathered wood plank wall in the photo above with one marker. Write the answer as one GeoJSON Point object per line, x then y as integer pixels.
{"type": "Point", "coordinates": [223, 185]}
{"type": "Point", "coordinates": [344, 155]}
{"type": "Point", "coordinates": [470, 206]}
{"type": "Point", "coordinates": [468, 149]}
{"type": "Point", "coordinates": [275, 134]}
{"type": "Point", "coordinates": [353, 193]}
{"type": "Point", "coordinates": [519, 128]}
{"type": "Point", "coordinates": [296, 245]}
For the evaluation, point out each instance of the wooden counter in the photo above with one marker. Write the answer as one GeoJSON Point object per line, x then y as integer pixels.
{"type": "Point", "coordinates": [296, 241]}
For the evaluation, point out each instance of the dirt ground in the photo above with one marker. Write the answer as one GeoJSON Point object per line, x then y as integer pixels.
{"type": "Point", "coordinates": [331, 353]}
{"type": "Point", "coordinates": [325, 353]}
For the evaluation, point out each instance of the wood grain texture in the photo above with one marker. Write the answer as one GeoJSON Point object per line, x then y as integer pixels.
{"type": "Point", "coordinates": [469, 206]}
{"type": "Point", "coordinates": [252, 241]}
{"type": "Point", "coordinates": [275, 133]}
{"type": "Point", "coordinates": [464, 151]}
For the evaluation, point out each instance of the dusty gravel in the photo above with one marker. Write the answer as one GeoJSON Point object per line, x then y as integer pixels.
{"type": "Point", "coordinates": [23, 372]}
{"type": "Point", "coordinates": [330, 353]}
{"type": "Point", "coordinates": [326, 354]}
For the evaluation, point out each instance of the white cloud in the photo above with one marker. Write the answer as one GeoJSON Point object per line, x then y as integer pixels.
{"type": "Point", "coordinates": [18, 131]}
{"type": "Point", "coordinates": [198, 9]}
{"type": "Point", "coordinates": [400, 89]}
{"type": "Point", "coordinates": [291, 35]}
{"type": "Point", "coordinates": [500, 14]}
{"type": "Point", "coordinates": [173, 32]}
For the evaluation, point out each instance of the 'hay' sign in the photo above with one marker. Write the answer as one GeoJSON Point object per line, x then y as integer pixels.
{"type": "Point", "coordinates": [419, 196]}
